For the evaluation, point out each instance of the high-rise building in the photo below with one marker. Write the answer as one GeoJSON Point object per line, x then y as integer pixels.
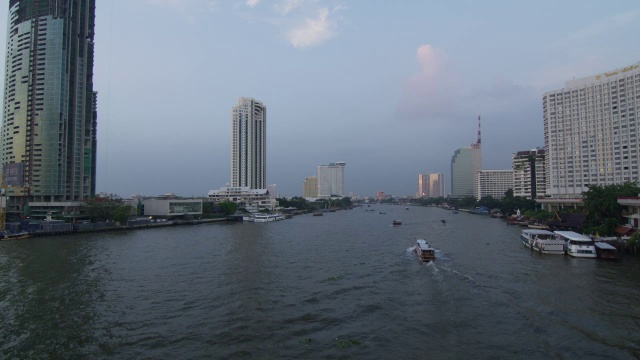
{"type": "Point", "coordinates": [48, 139]}
{"type": "Point", "coordinates": [331, 179]}
{"type": "Point", "coordinates": [249, 144]}
{"type": "Point", "coordinates": [465, 163]}
{"type": "Point", "coordinates": [494, 183]}
{"type": "Point", "coordinates": [529, 179]}
{"type": "Point", "coordinates": [431, 185]}
{"type": "Point", "coordinates": [591, 132]}
{"type": "Point", "coordinates": [310, 187]}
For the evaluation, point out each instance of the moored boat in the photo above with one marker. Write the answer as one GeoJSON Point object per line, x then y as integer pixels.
{"type": "Point", "coordinates": [577, 245]}
{"type": "Point", "coordinates": [15, 236]}
{"type": "Point", "coordinates": [425, 251]}
{"type": "Point", "coordinates": [260, 218]}
{"type": "Point", "coordinates": [606, 251]}
{"type": "Point", "coordinates": [317, 213]}
{"type": "Point", "coordinates": [542, 241]}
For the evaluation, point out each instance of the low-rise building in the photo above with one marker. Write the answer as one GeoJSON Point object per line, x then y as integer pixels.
{"type": "Point", "coordinates": [251, 199]}
{"type": "Point", "coordinates": [172, 207]}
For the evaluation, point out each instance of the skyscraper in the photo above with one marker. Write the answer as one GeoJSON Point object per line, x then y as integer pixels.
{"type": "Point", "coordinates": [465, 163]}
{"type": "Point", "coordinates": [249, 144]}
{"type": "Point", "coordinates": [431, 185]}
{"type": "Point", "coordinates": [592, 133]}
{"type": "Point", "coordinates": [310, 187]}
{"type": "Point", "coordinates": [331, 179]}
{"type": "Point", "coordinates": [48, 139]}
{"type": "Point", "coordinates": [529, 178]}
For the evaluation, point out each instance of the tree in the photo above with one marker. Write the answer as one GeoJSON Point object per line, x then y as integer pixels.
{"type": "Point", "coordinates": [601, 205]}
{"type": "Point", "coordinates": [228, 207]}
{"type": "Point", "coordinates": [121, 213]}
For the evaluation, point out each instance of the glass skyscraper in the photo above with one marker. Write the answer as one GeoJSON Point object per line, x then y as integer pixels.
{"type": "Point", "coordinates": [249, 144]}
{"type": "Point", "coordinates": [48, 140]}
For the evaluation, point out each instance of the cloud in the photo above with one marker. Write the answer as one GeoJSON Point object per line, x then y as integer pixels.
{"type": "Point", "coordinates": [252, 3]}
{"type": "Point", "coordinates": [287, 6]}
{"type": "Point", "coordinates": [314, 31]}
{"type": "Point", "coordinates": [610, 24]}
{"type": "Point", "coordinates": [433, 90]}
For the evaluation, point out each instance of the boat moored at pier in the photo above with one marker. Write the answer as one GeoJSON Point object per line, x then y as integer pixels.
{"type": "Point", "coordinates": [542, 241]}
{"type": "Point", "coordinates": [577, 245]}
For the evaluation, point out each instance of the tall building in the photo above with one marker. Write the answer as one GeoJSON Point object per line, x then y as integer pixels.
{"type": "Point", "coordinates": [331, 179]}
{"type": "Point", "coordinates": [431, 185]}
{"type": "Point", "coordinates": [465, 163]}
{"type": "Point", "coordinates": [249, 144]}
{"type": "Point", "coordinates": [591, 132]}
{"type": "Point", "coordinates": [48, 139]}
{"type": "Point", "coordinates": [310, 187]}
{"type": "Point", "coordinates": [529, 174]}
{"type": "Point", "coordinates": [493, 183]}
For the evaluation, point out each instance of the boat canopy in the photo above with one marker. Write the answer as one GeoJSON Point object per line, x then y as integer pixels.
{"type": "Point", "coordinates": [424, 245]}
{"type": "Point", "coordinates": [573, 236]}
{"type": "Point", "coordinates": [538, 232]}
{"type": "Point", "coordinates": [604, 246]}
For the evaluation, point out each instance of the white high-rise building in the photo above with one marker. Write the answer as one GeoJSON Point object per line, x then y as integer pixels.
{"type": "Point", "coordinates": [591, 132]}
{"type": "Point", "coordinates": [331, 179]}
{"type": "Point", "coordinates": [529, 177]}
{"type": "Point", "coordinates": [493, 183]}
{"type": "Point", "coordinates": [249, 144]}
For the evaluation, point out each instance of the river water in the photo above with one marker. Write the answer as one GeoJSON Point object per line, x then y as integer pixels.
{"type": "Point", "coordinates": [344, 285]}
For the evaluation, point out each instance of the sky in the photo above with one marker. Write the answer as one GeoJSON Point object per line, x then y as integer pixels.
{"type": "Point", "coordinates": [392, 88]}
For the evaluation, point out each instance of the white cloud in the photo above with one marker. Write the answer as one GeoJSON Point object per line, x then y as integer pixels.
{"type": "Point", "coordinates": [252, 3]}
{"type": "Point", "coordinates": [433, 90]}
{"type": "Point", "coordinates": [287, 6]}
{"type": "Point", "coordinates": [313, 31]}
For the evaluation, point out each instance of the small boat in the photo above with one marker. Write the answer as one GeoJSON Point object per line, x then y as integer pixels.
{"type": "Point", "coordinates": [382, 213]}
{"type": "Point", "coordinates": [538, 226]}
{"type": "Point", "coordinates": [425, 251]}
{"type": "Point", "coordinates": [16, 236]}
{"type": "Point", "coordinates": [542, 241]}
{"type": "Point", "coordinates": [396, 222]}
{"type": "Point", "coordinates": [577, 245]}
{"type": "Point", "coordinates": [317, 213]}
{"type": "Point", "coordinates": [606, 251]}
{"type": "Point", "coordinates": [443, 221]}
{"type": "Point", "coordinates": [406, 208]}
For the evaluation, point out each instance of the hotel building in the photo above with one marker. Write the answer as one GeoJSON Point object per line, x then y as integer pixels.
{"type": "Point", "coordinates": [48, 139]}
{"type": "Point", "coordinates": [331, 179]}
{"type": "Point", "coordinates": [591, 132]}
{"type": "Point", "coordinates": [248, 144]}
{"type": "Point", "coordinates": [465, 163]}
{"type": "Point", "coordinates": [493, 183]}
{"type": "Point", "coordinates": [529, 174]}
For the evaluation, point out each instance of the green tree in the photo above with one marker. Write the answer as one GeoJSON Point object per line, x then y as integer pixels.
{"type": "Point", "coordinates": [228, 207]}
{"type": "Point", "coordinates": [122, 213]}
{"type": "Point", "coordinates": [601, 205]}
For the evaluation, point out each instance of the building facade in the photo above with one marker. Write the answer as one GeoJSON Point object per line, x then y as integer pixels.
{"type": "Point", "coordinates": [431, 185]}
{"type": "Point", "coordinates": [331, 179]}
{"type": "Point", "coordinates": [245, 197]}
{"type": "Point", "coordinates": [249, 144]}
{"type": "Point", "coordinates": [591, 132]}
{"type": "Point", "coordinates": [465, 163]}
{"type": "Point", "coordinates": [529, 173]}
{"type": "Point", "coordinates": [49, 118]}
{"type": "Point", "coordinates": [493, 183]}
{"type": "Point", "coordinates": [310, 187]}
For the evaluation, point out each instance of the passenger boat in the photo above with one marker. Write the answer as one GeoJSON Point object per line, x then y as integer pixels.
{"type": "Point", "coordinates": [577, 245]}
{"type": "Point", "coordinates": [542, 241]}
{"type": "Point", "coordinates": [606, 251]}
{"type": "Point", "coordinates": [15, 236]}
{"type": "Point", "coordinates": [396, 222]}
{"type": "Point", "coordinates": [425, 251]}
{"type": "Point", "coordinates": [260, 218]}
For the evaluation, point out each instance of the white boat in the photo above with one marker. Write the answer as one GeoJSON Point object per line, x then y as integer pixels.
{"type": "Point", "coordinates": [577, 245]}
{"type": "Point", "coordinates": [425, 251]}
{"type": "Point", "coordinates": [542, 241]}
{"type": "Point", "coordinates": [261, 218]}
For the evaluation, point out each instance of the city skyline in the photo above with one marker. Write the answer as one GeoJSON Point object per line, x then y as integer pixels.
{"type": "Point", "coordinates": [165, 83]}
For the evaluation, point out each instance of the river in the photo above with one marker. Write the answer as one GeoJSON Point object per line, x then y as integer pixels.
{"type": "Point", "coordinates": [344, 285]}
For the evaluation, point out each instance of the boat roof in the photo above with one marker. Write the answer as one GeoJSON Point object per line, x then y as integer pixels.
{"type": "Point", "coordinates": [572, 235]}
{"type": "Point", "coordinates": [604, 246]}
{"type": "Point", "coordinates": [538, 232]}
{"type": "Point", "coordinates": [424, 245]}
